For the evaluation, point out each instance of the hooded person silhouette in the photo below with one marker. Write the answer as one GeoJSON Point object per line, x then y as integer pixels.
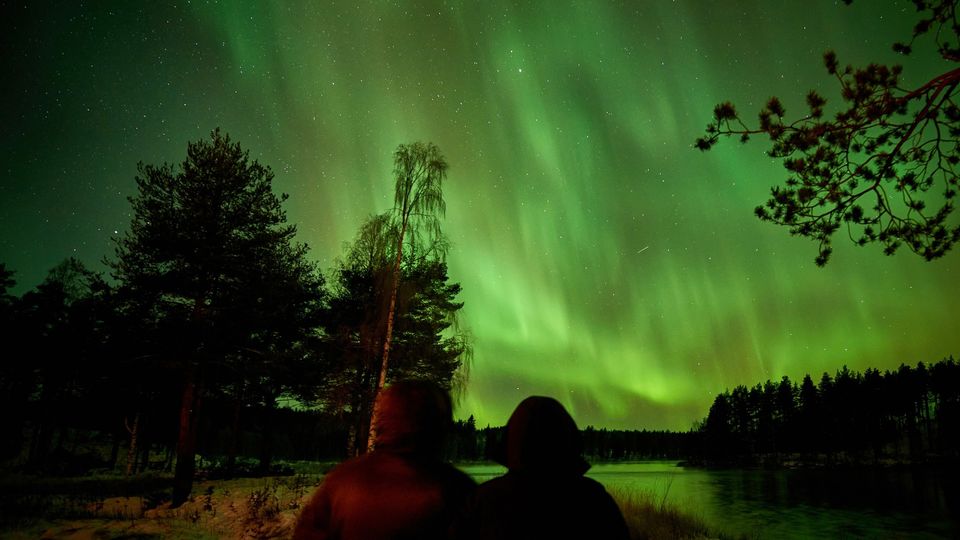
{"type": "Point", "coordinates": [544, 493]}
{"type": "Point", "coordinates": [400, 490]}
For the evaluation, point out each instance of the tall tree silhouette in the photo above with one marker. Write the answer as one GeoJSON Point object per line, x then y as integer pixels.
{"type": "Point", "coordinates": [201, 237]}
{"type": "Point", "coordinates": [419, 171]}
{"type": "Point", "coordinates": [786, 399]}
{"type": "Point", "coordinates": [6, 283]}
{"type": "Point", "coordinates": [58, 322]}
{"type": "Point", "coordinates": [426, 343]}
{"type": "Point", "coordinates": [274, 332]}
{"type": "Point", "coordinates": [945, 385]}
{"type": "Point", "coordinates": [355, 325]}
{"type": "Point", "coordinates": [884, 168]}
{"type": "Point", "coordinates": [11, 379]}
{"type": "Point", "coordinates": [718, 427]}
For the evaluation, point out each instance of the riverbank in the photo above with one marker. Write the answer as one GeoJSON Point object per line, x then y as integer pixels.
{"type": "Point", "coordinates": [824, 462]}
{"type": "Point", "coordinates": [238, 508]}
{"type": "Point", "coordinates": [267, 508]}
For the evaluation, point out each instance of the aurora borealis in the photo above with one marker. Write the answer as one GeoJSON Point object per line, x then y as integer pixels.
{"type": "Point", "coordinates": [603, 260]}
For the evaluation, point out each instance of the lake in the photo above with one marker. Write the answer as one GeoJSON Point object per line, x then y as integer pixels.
{"type": "Point", "coordinates": [877, 503]}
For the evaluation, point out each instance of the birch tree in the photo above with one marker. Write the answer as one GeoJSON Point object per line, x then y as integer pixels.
{"type": "Point", "coordinates": [419, 170]}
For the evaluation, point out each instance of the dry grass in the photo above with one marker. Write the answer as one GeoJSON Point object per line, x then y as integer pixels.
{"type": "Point", "coordinates": [243, 508]}
{"type": "Point", "coordinates": [649, 518]}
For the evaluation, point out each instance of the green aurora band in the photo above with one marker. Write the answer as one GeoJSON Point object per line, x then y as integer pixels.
{"type": "Point", "coordinates": [603, 260]}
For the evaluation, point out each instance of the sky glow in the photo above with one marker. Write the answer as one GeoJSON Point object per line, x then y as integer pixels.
{"type": "Point", "coordinates": [603, 260]}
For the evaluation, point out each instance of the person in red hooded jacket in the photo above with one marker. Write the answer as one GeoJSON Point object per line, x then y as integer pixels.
{"type": "Point", "coordinates": [544, 494]}
{"type": "Point", "coordinates": [401, 490]}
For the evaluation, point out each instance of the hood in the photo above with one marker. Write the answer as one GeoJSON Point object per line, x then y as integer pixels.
{"type": "Point", "coordinates": [541, 436]}
{"type": "Point", "coordinates": [413, 417]}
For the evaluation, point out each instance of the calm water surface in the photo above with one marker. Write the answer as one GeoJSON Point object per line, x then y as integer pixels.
{"type": "Point", "coordinates": [794, 503]}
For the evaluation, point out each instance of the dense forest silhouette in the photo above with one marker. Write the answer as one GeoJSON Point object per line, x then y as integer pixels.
{"type": "Point", "coordinates": [81, 396]}
{"type": "Point", "coordinates": [910, 414]}
{"type": "Point", "coordinates": [215, 336]}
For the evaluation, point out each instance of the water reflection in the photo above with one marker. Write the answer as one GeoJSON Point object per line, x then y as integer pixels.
{"type": "Point", "coordinates": [888, 503]}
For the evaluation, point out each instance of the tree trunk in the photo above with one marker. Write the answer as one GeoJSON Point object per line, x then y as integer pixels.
{"type": "Point", "coordinates": [391, 312]}
{"type": "Point", "coordinates": [114, 451]}
{"type": "Point", "coordinates": [359, 429]}
{"type": "Point", "coordinates": [359, 415]}
{"type": "Point", "coordinates": [60, 435]}
{"type": "Point", "coordinates": [235, 435]}
{"type": "Point", "coordinates": [167, 459]}
{"type": "Point", "coordinates": [266, 439]}
{"type": "Point", "coordinates": [143, 464]}
{"type": "Point", "coordinates": [355, 428]}
{"type": "Point", "coordinates": [132, 450]}
{"type": "Point", "coordinates": [42, 432]}
{"type": "Point", "coordinates": [189, 407]}
{"type": "Point", "coordinates": [352, 440]}
{"type": "Point", "coordinates": [186, 440]}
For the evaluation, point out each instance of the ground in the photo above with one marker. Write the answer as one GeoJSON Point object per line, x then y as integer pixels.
{"type": "Point", "coordinates": [241, 508]}
{"type": "Point", "coordinates": [249, 508]}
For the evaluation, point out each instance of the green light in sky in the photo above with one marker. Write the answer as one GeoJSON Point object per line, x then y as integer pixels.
{"type": "Point", "coordinates": [603, 260]}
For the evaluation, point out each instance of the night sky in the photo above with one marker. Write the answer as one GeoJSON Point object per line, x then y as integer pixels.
{"type": "Point", "coordinates": [603, 260]}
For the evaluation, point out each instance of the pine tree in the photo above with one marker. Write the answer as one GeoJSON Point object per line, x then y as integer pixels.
{"type": "Point", "coordinates": [884, 168]}
{"type": "Point", "coordinates": [203, 239]}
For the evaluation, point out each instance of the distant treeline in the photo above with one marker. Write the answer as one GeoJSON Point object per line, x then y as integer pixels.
{"type": "Point", "coordinates": [467, 443]}
{"type": "Point", "coordinates": [909, 415]}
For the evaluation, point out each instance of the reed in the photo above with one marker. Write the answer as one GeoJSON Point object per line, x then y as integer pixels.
{"type": "Point", "coordinates": [651, 517]}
